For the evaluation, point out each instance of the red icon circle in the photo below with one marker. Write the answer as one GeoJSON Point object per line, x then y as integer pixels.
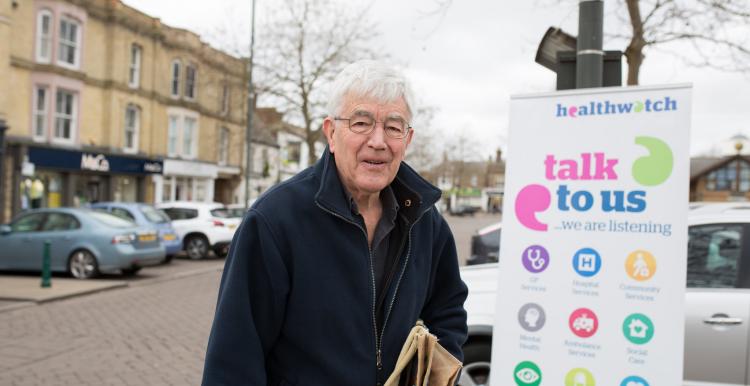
{"type": "Point", "coordinates": [583, 322]}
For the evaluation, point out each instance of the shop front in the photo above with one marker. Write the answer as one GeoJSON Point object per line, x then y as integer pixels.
{"type": "Point", "coordinates": [185, 181]}
{"type": "Point", "coordinates": [50, 177]}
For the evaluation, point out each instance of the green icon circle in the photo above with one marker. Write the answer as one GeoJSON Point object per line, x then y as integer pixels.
{"type": "Point", "coordinates": [527, 374]}
{"type": "Point", "coordinates": [579, 377]}
{"type": "Point", "coordinates": [638, 328]}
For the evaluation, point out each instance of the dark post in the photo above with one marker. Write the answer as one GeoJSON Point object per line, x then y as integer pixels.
{"type": "Point", "coordinates": [46, 272]}
{"type": "Point", "coordinates": [590, 56]}
{"type": "Point", "coordinates": [3, 128]}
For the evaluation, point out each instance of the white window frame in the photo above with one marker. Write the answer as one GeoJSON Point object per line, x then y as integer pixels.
{"type": "Point", "coordinates": [225, 95]}
{"type": "Point", "coordinates": [173, 134]}
{"type": "Point", "coordinates": [75, 44]}
{"type": "Point", "coordinates": [189, 149]}
{"type": "Point", "coordinates": [223, 145]}
{"type": "Point", "coordinates": [191, 86]}
{"type": "Point", "coordinates": [40, 113]}
{"type": "Point", "coordinates": [134, 70]}
{"type": "Point", "coordinates": [174, 85]}
{"type": "Point", "coordinates": [43, 40]}
{"type": "Point", "coordinates": [73, 116]}
{"type": "Point", "coordinates": [134, 126]}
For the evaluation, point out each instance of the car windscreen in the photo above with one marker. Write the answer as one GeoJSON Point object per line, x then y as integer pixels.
{"type": "Point", "coordinates": [154, 215]}
{"type": "Point", "coordinates": [110, 220]}
{"type": "Point", "coordinates": [221, 213]}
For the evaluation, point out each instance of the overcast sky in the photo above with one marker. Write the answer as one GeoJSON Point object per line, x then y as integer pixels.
{"type": "Point", "coordinates": [469, 62]}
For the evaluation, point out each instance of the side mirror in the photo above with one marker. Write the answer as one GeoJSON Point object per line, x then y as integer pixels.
{"type": "Point", "coordinates": [5, 229]}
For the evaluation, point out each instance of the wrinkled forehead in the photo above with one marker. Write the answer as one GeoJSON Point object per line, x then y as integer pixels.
{"type": "Point", "coordinates": [359, 104]}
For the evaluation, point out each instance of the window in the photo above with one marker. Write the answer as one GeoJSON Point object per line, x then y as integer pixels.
{"type": "Point", "coordinates": [132, 126]}
{"type": "Point", "coordinates": [176, 78]}
{"type": "Point", "coordinates": [190, 81]}
{"type": "Point", "coordinates": [28, 223]}
{"type": "Point", "coordinates": [40, 112]}
{"type": "Point", "coordinates": [714, 253]}
{"type": "Point", "coordinates": [225, 99]}
{"type": "Point", "coordinates": [44, 36]}
{"type": "Point", "coordinates": [223, 146]}
{"type": "Point", "coordinates": [60, 222]}
{"type": "Point", "coordinates": [68, 43]}
{"type": "Point", "coordinates": [134, 78]}
{"type": "Point", "coordinates": [188, 137]}
{"type": "Point", "coordinates": [293, 152]}
{"type": "Point", "coordinates": [123, 213]}
{"type": "Point", "coordinates": [172, 135]}
{"type": "Point", "coordinates": [734, 176]}
{"type": "Point", "coordinates": [65, 115]}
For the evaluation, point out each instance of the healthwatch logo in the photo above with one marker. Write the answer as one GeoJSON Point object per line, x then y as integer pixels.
{"type": "Point", "coordinates": [610, 108]}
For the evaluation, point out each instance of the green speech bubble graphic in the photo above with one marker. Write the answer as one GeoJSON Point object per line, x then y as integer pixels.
{"type": "Point", "coordinates": [655, 168]}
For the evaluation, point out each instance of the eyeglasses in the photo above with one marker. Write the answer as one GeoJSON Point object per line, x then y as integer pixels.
{"type": "Point", "coordinates": [395, 128]}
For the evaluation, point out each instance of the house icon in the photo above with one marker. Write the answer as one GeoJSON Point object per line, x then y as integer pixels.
{"type": "Point", "coordinates": [638, 329]}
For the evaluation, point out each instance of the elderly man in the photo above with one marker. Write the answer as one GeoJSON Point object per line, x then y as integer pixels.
{"type": "Point", "coordinates": [330, 270]}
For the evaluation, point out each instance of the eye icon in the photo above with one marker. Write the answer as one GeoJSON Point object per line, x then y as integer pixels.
{"type": "Point", "coordinates": [527, 375]}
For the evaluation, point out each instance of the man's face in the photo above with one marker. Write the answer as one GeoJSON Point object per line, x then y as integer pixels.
{"type": "Point", "coordinates": [367, 163]}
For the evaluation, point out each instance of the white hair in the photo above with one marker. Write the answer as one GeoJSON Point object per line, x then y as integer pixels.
{"type": "Point", "coordinates": [372, 79]}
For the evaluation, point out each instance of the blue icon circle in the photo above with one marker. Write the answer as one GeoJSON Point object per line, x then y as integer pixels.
{"type": "Point", "coordinates": [634, 381]}
{"type": "Point", "coordinates": [587, 262]}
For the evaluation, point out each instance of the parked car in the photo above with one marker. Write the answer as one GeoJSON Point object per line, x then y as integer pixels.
{"type": "Point", "coordinates": [463, 210]}
{"type": "Point", "coordinates": [717, 302]}
{"type": "Point", "coordinates": [83, 242]}
{"type": "Point", "coordinates": [202, 226]}
{"type": "Point", "coordinates": [485, 245]}
{"type": "Point", "coordinates": [148, 216]}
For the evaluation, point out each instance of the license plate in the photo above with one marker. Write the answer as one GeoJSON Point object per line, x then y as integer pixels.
{"type": "Point", "coordinates": [147, 238]}
{"type": "Point", "coordinates": [169, 237]}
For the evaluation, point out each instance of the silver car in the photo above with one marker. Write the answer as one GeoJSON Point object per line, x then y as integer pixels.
{"type": "Point", "coordinates": [83, 242]}
{"type": "Point", "coordinates": [717, 302]}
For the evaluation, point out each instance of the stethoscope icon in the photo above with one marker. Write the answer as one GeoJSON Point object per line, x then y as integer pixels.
{"type": "Point", "coordinates": [534, 256]}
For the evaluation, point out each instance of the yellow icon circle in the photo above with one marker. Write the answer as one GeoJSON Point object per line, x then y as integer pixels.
{"type": "Point", "coordinates": [640, 265]}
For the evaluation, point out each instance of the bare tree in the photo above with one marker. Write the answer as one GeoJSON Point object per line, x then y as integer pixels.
{"type": "Point", "coordinates": [301, 49]}
{"type": "Point", "coordinates": [423, 151]}
{"type": "Point", "coordinates": [716, 31]}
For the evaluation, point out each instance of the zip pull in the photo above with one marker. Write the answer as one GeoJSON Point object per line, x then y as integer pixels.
{"type": "Point", "coordinates": [380, 361]}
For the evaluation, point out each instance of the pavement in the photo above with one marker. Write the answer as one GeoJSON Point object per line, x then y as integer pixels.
{"type": "Point", "coordinates": [24, 290]}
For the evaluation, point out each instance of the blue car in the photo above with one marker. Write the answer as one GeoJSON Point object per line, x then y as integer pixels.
{"type": "Point", "coordinates": [83, 242]}
{"type": "Point", "coordinates": [146, 215]}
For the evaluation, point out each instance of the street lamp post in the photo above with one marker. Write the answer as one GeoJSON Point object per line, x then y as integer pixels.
{"type": "Point", "coordinates": [3, 128]}
{"type": "Point", "coordinates": [590, 57]}
{"type": "Point", "coordinates": [250, 111]}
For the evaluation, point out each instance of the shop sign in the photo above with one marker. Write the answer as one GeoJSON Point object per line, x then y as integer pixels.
{"type": "Point", "coordinates": [97, 162]}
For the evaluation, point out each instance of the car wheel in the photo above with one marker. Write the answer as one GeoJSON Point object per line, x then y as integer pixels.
{"type": "Point", "coordinates": [132, 271]}
{"type": "Point", "coordinates": [196, 247]}
{"type": "Point", "coordinates": [476, 371]}
{"type": "Point", "coordinates": [83, 265]}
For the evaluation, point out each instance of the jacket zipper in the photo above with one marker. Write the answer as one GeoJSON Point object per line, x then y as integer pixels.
{"type": "Point", "coordinates": [379, 337]}
{"type": "Point", "coordinates": [379, 361]}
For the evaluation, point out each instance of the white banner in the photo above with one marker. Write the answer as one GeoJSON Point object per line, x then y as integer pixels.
{"type": "Point", "coordinates": [594, 243]}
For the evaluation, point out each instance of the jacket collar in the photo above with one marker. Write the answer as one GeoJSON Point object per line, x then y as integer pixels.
{"type": "Point", "coordinates": [413, 193]}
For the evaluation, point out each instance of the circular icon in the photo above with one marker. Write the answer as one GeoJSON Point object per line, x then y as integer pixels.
{"type": "Point", "coordinates": [535, 258]}
{"type": "Point", "coordinates": [634, 381]}
{"type": "Point", "coordinates": [531, 317]}
{"type": "Point", "coordinates": [527, 374]}
{"type": "Point", "coordinates": [587, 262]}
{"type": "Point", "coordinates": [640, 265]}
{"type": "Point", "coordinates": [638, 328]}
{"type": "Point", "coordinates": [583, 322]}
{"type": "Point", "coordinates": [579, 377]}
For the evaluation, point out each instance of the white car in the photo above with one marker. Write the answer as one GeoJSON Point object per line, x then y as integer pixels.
{"type": "Point", "coordinates": [717, 302]}
{"type": "Point", "coordinates": [202, 226]}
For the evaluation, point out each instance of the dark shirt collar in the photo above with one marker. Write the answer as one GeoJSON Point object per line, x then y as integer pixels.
{"type": "Point", "coordinates": [387, 199]}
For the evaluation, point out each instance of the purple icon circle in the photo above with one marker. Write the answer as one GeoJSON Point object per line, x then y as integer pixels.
{"type": "Point", "coordinates": [535, 258]}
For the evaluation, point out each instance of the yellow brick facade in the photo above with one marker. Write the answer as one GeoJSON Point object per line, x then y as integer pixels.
{"type": "Point", "coordinates": [101, 83]}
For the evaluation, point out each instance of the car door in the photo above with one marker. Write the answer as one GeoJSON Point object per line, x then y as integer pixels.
{"type": "Point", "coordinates": [183, 220]}
{"type": "Point", "coordinates": [62, 230]}
{"type": "Point", "coordinates": [717, 311]}
{"type": "Point", "coordinates": [20, 248]}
